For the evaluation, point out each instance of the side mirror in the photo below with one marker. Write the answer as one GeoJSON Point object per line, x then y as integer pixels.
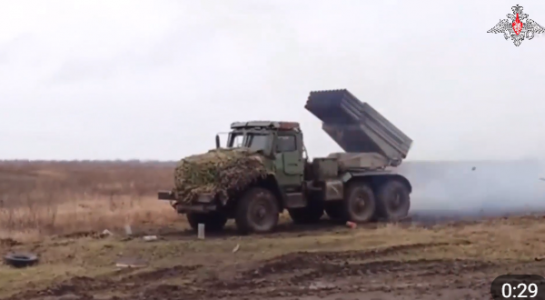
{"type": "Point", "coordinates": [217, 141]}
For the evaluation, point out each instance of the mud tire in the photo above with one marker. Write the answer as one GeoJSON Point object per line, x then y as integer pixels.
{"type": "Point", "coordinates": [308, 215]}
{"type": "Point", "coordinates": [21, 260]}
{"type": "Point", "coordinates": [393, 201]}
{"type": "Point", "coordinates": [212, 221]}
{"type": "Point", "coordinates": [257, 211]}
{"type": "Point", "coordinates": [359, 204]}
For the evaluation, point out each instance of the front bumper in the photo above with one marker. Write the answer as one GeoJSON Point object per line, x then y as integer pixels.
{"type": "Point", "coordinates": [203, 203]}
{"type": "Point", "coordinates": [166, 195]}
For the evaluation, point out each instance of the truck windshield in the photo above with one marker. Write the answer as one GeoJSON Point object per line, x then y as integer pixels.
{"type": "Point", "coordinates": [257, 142]}
{"type": "Point", "coordinates": [254, 141]}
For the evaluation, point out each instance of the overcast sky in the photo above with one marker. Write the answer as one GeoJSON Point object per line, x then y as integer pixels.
{"type": "Point", "coordinates": [158, 79]}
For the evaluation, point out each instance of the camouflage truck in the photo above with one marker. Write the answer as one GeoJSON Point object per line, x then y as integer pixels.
{"type": "Point", "coordinates": [264, 169]}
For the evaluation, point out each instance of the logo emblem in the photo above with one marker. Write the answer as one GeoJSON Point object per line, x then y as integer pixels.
{"type": "Point", "coordinates": [517, 27]}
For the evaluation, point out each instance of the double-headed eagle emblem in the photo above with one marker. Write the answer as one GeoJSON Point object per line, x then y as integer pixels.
{"type": "Point", "coordinates": [517, 27]}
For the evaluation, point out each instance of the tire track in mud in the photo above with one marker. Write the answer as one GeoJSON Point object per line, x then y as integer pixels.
{"type": "Point", "coordinates": [294, 274]}
{"type": "Point", "coordinates": [420, 268]}
{"type": "Point", "coordinates": [299, 260]}
{"type": "Point", "coordinates": [83, 287]}
{"type": "Point", "coordinates": [384, 276]}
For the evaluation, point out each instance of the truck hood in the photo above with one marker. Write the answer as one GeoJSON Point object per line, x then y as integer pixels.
{"type": "Point", "coordinates": [221, 155]}
{"type": "Point", "coordinates": [218, 171]}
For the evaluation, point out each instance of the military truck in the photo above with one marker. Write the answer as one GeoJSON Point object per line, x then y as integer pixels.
{"type": "Point", "coordinates": [360, 185]}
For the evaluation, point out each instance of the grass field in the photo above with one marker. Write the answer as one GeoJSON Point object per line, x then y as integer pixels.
{"type": "Point", "coordinates": [41, 199]}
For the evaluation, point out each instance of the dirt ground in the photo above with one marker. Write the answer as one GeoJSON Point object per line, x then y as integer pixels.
{"type": "Point", "coordinates": [381, 261]}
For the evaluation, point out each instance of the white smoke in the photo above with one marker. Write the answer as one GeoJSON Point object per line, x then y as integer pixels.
{"type": "Point", "coordinates": [473, 188]}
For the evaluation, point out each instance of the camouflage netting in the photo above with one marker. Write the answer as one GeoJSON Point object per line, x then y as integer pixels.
{"type": "Point", "coordinates": [217, 171]}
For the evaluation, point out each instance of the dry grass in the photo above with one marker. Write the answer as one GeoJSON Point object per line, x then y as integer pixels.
{"type": "Point", "coordinates": [38, 199]}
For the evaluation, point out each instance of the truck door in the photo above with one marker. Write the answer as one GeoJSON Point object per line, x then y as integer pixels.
{"type": "Point", "coordinates": [289, 160]}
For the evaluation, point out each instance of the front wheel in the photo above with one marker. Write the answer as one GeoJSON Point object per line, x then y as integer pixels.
{"type": "Point", "coordinates": [257, 211]}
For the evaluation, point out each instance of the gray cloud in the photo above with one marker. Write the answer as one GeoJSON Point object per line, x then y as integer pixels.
{"type": "Point", "coordinates": [158, 79]}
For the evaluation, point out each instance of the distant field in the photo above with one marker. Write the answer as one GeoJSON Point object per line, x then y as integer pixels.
{"type": "Point", "coordinates": [60, 197]}
{"type": "Point", "coordinates": [44, 198]}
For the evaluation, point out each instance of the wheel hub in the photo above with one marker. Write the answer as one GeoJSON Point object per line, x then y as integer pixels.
{"type": "Point", "coordinates": [359, 204]}
{"type": "Point", "coordinates": [396, 201]}
{"type": "Point", "coordinates": [260, 213]}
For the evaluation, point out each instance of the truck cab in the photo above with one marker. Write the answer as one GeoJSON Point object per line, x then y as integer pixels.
{"type": "Point", "coordinates": [281, 142]}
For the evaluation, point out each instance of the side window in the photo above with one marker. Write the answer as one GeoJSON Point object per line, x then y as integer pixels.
{"type": "Point", "coordinates": [286, 143]}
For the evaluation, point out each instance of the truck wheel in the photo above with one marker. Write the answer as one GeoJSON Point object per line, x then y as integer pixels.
{"type": "Point", "coordinates": [307, 215]}
{"type": "Point", "coordinates": [212, 221]}
{"type": "Point", "coordinates": [257, 211]}
{"type": "Point", "coordinates": [359, 204]}
{"type": "Point", "coordinates": [393, 200]}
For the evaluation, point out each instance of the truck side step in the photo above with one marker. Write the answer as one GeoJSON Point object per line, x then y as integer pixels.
{"type": "Point", "coordinates": [295, 200]}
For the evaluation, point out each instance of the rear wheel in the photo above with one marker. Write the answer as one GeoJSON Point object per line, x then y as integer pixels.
{"type": "Point", "coordinates": [257, 211]}
{"type": "Point", "coordinates": [310, 214]}
{"type": "Point", "coordinates": [359, 203]}
{"type": "Point", "coordinates": [393, 200]}
{"type": "Point", "coordinates": [211, 221]}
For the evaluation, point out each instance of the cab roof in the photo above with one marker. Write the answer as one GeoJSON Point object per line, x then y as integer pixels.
{"type": "Point", "coordinates": [277, 125]}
